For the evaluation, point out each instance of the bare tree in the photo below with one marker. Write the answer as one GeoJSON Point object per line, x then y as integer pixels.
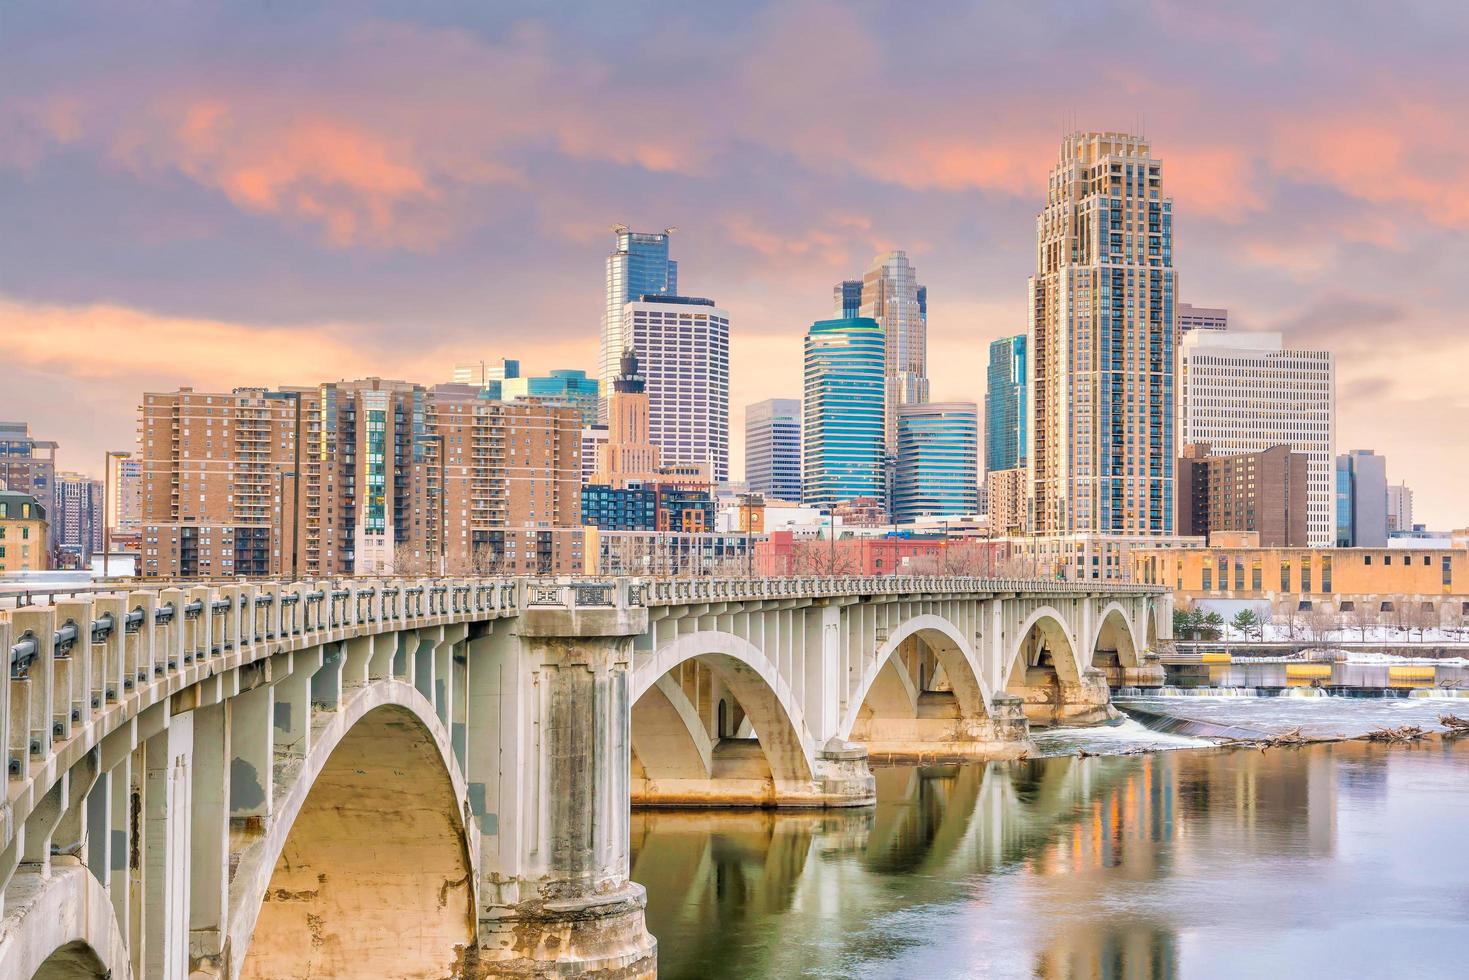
{"type": "Point", "coordinates": [1422, 616]}
{"type": "Point", "coordinates": [1320, 621]}
{"type": "Point", "coordinates": [823, 557]}
{"type": "Point", "coordinates": [1363, 617]}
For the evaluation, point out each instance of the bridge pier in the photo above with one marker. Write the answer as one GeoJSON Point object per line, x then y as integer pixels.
{"type": "Point", "coordinates": [557, 898]}
{"type": "Point", "coordinates": [941, 731]}
{"type": "Point", "coordinates": [1049, 701]}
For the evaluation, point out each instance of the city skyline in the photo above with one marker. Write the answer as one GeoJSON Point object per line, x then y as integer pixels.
{"type": "Point", "coordinates": [276, 249]}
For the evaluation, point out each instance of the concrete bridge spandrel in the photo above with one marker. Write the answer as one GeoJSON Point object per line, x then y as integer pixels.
{"type": "Point", "coordinates": [268, 778]}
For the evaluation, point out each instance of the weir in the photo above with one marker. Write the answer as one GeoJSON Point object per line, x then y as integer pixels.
{"type": "Point", "coordinates": [263, 778]}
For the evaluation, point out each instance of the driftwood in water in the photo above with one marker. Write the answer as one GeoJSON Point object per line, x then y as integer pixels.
{"type": "Point", "coordinates": [1403, 733]}
{"type": "Point", "coordinates": [1455, 725]}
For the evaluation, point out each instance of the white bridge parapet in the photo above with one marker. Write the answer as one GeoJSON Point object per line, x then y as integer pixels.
{"type": "Point", "coordinates": [263, 778]}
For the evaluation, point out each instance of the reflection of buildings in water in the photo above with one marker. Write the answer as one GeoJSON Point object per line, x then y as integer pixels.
{"type": "Point", "coordinates": [1135, 949]}
{"type": "Point", "coordinates": [1248, 801]}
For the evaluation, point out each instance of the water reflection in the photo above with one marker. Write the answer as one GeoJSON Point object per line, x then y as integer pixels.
{"type": "Point", "coordinates": [1104, 867]}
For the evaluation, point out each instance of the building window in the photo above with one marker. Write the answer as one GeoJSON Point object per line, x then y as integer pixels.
{"type": "Point", "coordinates": [1306, 575]}
{"type": "Point", "coordinates": [1208, 579]}
{"type": "Point", "coordinates": [1285, 576]}
{"type": "Point", "coordinates": [1325, 573]}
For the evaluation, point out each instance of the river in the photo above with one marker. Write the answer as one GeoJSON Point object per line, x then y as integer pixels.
{"type": "Point", "coordinates": [1338, 860]}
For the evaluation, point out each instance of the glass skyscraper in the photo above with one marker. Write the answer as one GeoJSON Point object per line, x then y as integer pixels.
{"type": "Point", "coordinates": [1004, 405]}
{"type": "Point", "coordinates": [843, 443]}
{"type": "Point", "coordinates": [773, 448]}
{"type": "Point", "coordinates": [891, 296]}
{"type": "Point", "coordinates": [638, 266]}
{"type": "Point", "coordinates": [938, 461]}
{"type": "Point", "coordinates": [568, 387]}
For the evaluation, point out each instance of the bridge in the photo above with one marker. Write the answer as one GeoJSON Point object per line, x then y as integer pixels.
{"type": "Point", "coordinates": [432, 778]}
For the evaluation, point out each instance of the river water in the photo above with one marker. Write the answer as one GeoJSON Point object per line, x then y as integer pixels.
{"type": "Point", "coordinates": [1339, 860]}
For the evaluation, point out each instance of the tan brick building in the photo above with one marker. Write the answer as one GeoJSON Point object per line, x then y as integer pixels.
{"type": "Point", "coordinates": [22, 533]}
{"type": "Point", "coordinates": [359, 477]}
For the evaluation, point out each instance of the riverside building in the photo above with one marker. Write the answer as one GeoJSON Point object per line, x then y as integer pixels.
{"type": "Point", "coordinates": [842, 439]}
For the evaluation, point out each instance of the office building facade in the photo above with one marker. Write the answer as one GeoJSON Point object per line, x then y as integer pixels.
{"type": "Point", "coordinates": [891, 296]}
{"type": "Point", "coordinates": [1399, 508]}
{"type": "Point", "coordinates": [773, 448]}
{"type": "Point", "coordinates": [1361, 499]}
{"type": "Point", "coordinates": [28, 465]}
{"type": "Point", "coordinates": [1243, 392]}
{"type": "Point", "coordinates": [937, 461]}
{"type": "Point", "coordinates": [561, 387]}
{"type": "Point", "coordinates": [682, 347]}
{"type": "Point", "coordinates": [1191, 317]}
{"type": "Point", "coordinates": [1100, 343]}
{"type": "Point", "coordinates": [843, 441]}
{"type": "Point", "coordinates": [1004, 405]}
{"type": "Point", "coordinates": [76, 520]}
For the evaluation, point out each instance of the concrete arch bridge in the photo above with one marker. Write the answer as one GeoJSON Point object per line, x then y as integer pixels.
{"type": "Point", "coordinates": [270, 779]}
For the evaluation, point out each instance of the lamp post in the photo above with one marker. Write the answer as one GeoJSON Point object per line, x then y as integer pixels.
{"type": "Point", "coordinates": [107, 459]}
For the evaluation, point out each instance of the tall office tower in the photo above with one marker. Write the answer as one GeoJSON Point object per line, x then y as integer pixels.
{"type": "Point", "coordinates": [124, 487]}
{"type": "Point", "coordinates": [561, 387]}
{"type": "Point", "coordinates": [1004, 405]}
{"type": "Point", "coordinates": [637, 266]}
{"type": "Point", "coordinates": [682, 344]}
{"type": "Point", "coordinates": [891, 296]}
{"type": "Point", "coordinates": [28, 465]}
{"type": "Point", "coordinates": [510, 479]}
{"type": "Point", "coordinates": [1399, 507]}
{"type": "Point", "coordinates": [1243, 392]}
{"type": "Point", "coordinates": [847, 298]}
{"type": "Point", "coordinates": [1101, 343]}
{"type": "Point", "coordinates": [842, 439]}
{"type": "Point", "coordinates": [938, 461]}
{"type": "Point", "coordinates": [628, 454]}
{"type": "Point", "coordinates": [76, 521]}
{"type": "Point", "coordinates": [1191, 317]}
{"type": "Point", "coordinates": [216, 468]}
{"type": "Point", "coordinates": [486, 374]}
{"type": "Point", "coordinates": [773, 448]}
{"type": "Point", "coordinates": [1361, 500]}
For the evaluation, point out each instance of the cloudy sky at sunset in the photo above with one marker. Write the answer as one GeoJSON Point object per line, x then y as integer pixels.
{"type": "Point", "coordinates": [223, 194]}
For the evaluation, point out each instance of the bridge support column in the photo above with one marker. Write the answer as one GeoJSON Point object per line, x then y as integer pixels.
{"type": "Point", "coordinates": [556, 896]}
{"type": "Point", "coordinates": [1049, 701]}
{"type": "Point", "coordinates": [942, 732]}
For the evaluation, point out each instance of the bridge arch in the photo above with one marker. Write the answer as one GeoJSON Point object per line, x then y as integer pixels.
{"type": "Point", "coordinates": [1117, 631]}
{"type": "Point", "coordinates": [75, 914]}
{"type": "Point", "coordinates": [1045, 628]}
{"type": "Point", "coordinates": [368, 835]}
{"type": "Point", "coordinates": [763, 695]}
{"type": "Point", "coordinates": [954, 652]}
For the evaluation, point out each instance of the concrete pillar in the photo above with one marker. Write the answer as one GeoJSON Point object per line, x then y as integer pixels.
{"type": "Point", "coordinates": [575, 912]}
{"type": "Point", "coordinates": [169, 761]}
{"type": "Point", "coordinates": [209, 830]}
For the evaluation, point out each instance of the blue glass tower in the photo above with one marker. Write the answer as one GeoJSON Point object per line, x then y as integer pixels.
{"type": "Point", "coordinates": [938, 461]}
{"type": "Point", "coordinates": [571, 388]}
{"type": "Point", "coordinates": [843, 439]}
{"type": "Point", "coordinates": [1004, 405]}
{"type": "Point", "coordinates": [638, 266]}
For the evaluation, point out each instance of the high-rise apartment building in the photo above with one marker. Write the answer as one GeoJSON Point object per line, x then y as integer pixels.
{"type": "Point", "coordinates": [637, 266]}
{"type": "Point", "coordinates": [938, 461]}
{"type": "Point", "coordinates": [593, 438]}
{"type": "Point", "coordinates": [1191, 317]}
{"type": "Point", "coordinates": [560, 387]}
{"type": "Point", "coordinates": [842, 439]}
{"type": "Point", "coordinates": [1005, 490]}
{"type": "Point", "coordinates": [1361, 499]}
{"type": "Point", "coordinates": [1004, 405]}
{"type": "Point", "coordinates": [773, 448]}
{"type": "Point", "coordinates": [1263, 494]}
{"type": "Point", "coordinates": [682, 346]}
{"type": "Point", "coordinates": [216, 468]}
{"type": "Point", "coordinates": [891, 296]}
{"type": "Point", "coordinates": [1243, 392]}
{"type": "Point", "coordinates": [76, 520]}
{"type": "Point", "coordinates": [28, 465]}
{"type": "Point", "coordinates": [124, 488]}
{"type": "Point", "coordinates": [1100, 344]}
{"type": "Point", "coordinates": [1399, 507]}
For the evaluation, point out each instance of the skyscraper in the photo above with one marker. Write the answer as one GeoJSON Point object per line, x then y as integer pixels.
{"type": "Point", "coordinates": [842, 440]}
{"type": "Point", "coordinates": [561, 387]}
{"type": "Point", "coordinates": [1101, 343]}
{"type": "Point", "coordinates": [124, 483]}
{"type": "Point", "coordinates": [938, 461]}
{"type": "Point", "coordinates": [847, 297]}
{"type": "Point", "coordinates": [76, 522]}
{"type": "Point", "coordinates": [773, 448]}
{"type": "Point", "coordinates": [682, 344]}
{"type": "Point", "coordinates": [627, 454]}
{"type": "Point", "coordinates": [1399, 507]}
{"type": "Point", "coordinates": [28, 465]}
{"type": "Point", "coordinates": [637, 266]}
{"type": "Point", "coordinates": [1361, 500]}
{"type": "Point", "coordinates": [891, 296]}
{"type": "Point", "coordinates": [1243, 392]}
{"type": "Point", "coordinates": [1004, 405]}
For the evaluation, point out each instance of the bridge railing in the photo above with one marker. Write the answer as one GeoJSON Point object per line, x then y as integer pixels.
{"type": "Point", "coordinates": [675, 591]}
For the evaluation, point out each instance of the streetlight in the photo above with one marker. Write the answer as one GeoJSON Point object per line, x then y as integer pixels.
{"type": "Point", "coordinates": [107, 459]}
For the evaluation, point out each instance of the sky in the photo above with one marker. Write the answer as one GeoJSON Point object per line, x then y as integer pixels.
{"type": "Point", "coordinates": [269, 193]}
